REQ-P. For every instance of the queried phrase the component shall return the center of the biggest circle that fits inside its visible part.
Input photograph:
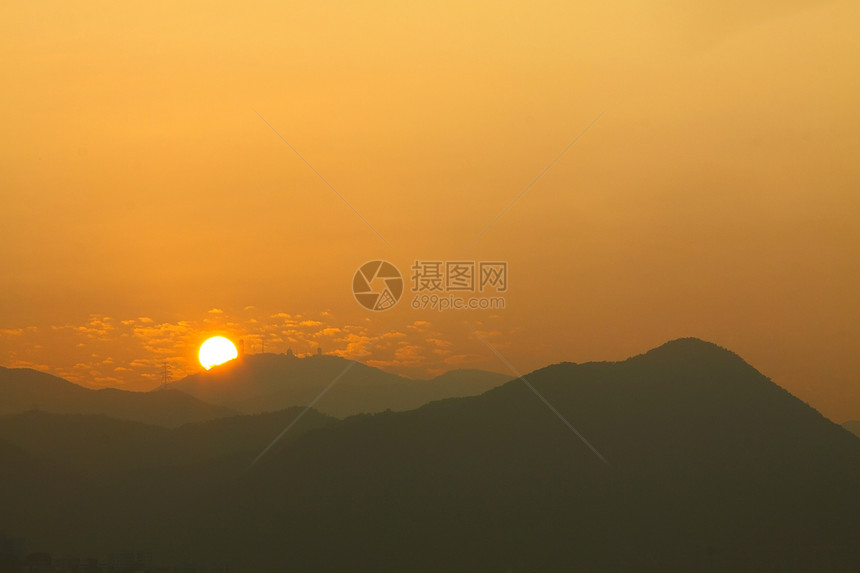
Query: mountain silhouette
(266, 382)
(852, 426)
(23, 390)
(711, 467)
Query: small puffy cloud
(215, 311)
(328, 331)
(409, 354)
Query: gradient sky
(146, 206)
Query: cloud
(409, 355)
(328, 331)
(131, 352)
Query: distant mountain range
(852, 426)
(23, 390)
(252, 384)
(711, 467)
(266, 382)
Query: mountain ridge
(257, 383)
(25, 389)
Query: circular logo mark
(377, 285)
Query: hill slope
(24, 390)
(267, 382)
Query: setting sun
(217, 350)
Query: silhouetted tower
(241, 348)
(319, 350)
(165, 374)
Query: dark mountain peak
(692, 345)
(25, 390)
(693, 355)
(29, 376)
(689, 349)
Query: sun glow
(217, 350)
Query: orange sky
(716, 197)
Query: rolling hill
(24, 390)
(268, 382)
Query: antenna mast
(165, 374)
